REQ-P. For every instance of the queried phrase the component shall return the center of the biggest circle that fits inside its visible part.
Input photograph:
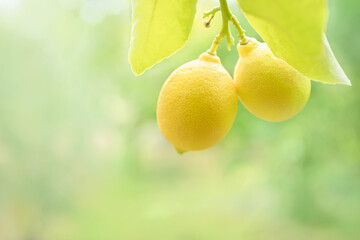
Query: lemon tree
(197, 104)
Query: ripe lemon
(197, 104)
(267, 86)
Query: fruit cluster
(198, 103)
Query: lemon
(267, 86)
(197, 104)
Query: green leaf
(294, 31)
(160, 28)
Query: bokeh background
(82, 158)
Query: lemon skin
(267, 86)
(197, 104)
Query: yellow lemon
(197, 104)
(267, 86)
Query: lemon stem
(227, 17)
(243, 39)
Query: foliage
(294, 31)
(160, 27)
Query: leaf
(294, 31)
(160, 28)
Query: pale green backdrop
(81, 157)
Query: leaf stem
(225, 11)
(211, 12)
(227, 17)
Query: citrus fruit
(197, 104)
(267, 86)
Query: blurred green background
(81, 156)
